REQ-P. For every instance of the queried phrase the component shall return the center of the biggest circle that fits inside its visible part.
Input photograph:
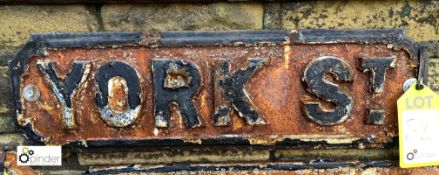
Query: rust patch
(12, 167)
(176, 77)
(118, 94)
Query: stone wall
(18, 22)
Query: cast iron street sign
(257, 87)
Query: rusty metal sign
(257, 87)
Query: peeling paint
(65, 88)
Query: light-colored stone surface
(433, 74)
(12, 140)
(163, 17)
(18, 22)
(420, 18)
(172, 156)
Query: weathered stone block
(18, 22)
(7, 121)
(272, 15)
(335, 154)
(431, 48)
(5, 56)
(167, 156)
(433, 74)
(12, 140)
(7, 124)
(420, 18)
(216, 16)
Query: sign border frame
(38, 44)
